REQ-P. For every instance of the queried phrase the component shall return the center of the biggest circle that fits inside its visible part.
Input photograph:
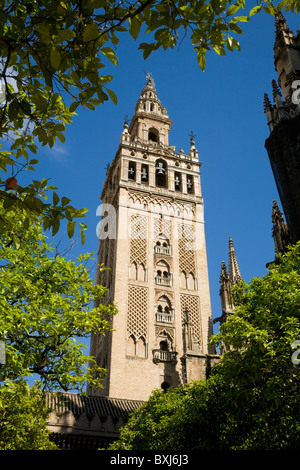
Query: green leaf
(71, 228)
(55, 199)
(235, 28)
(65, 35)
(255, 10)
(90, 32)
(55, 226)
(43, 30)
(55, 58)
(65, 201)
(201, 60)
(112, 96)
(109, 53)
(282, 4)
(82, 234)
(233, 9)
(134, 26)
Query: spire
(227, 281)
(234, 270)
(276, 90)
(280, 230)
(267, 103)
(224, 273)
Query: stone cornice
(155, 191)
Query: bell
(144, 174)
(189, 184)
(177, 181)
(131, 171)
(160, 169)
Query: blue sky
(223, 106)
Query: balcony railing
(163, 281)
(164, 317)
(164, 356)
(162, 250)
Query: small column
(138, 170)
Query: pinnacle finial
(276, 213)
(280, 231)
(275, 88)
(267, 102)
(234, 270)
(223, 274)
(192, 136)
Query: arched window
(191, 281)
(141, 273)
(141, 347)
(133, 271)
(131, 346)
(153, 134)
(165, 386)
(190, 184)
(161, 174)
(131, 171)
(162, 245)
(144, 174)
(183, 280)
(163, 346)
(164, 312)
(163, 275)
(177, 182)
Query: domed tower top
(151, 121)
(148, 101)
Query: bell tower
(152, 241)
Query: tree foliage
(251, 399)
(23, 418)
(46, 311)
(52, 60)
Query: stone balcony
(162, 317)
(164, 356)
(163, 281)
(162, 250)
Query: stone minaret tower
(152, 240)
(283, 144)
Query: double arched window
(163, 275)
(136, 346)
(137, 272)
(162, 245)
(164, 311)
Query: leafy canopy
(251, 398)
(52, 60)
(46, 309)
(23, 418)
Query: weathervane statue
(150, 80)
